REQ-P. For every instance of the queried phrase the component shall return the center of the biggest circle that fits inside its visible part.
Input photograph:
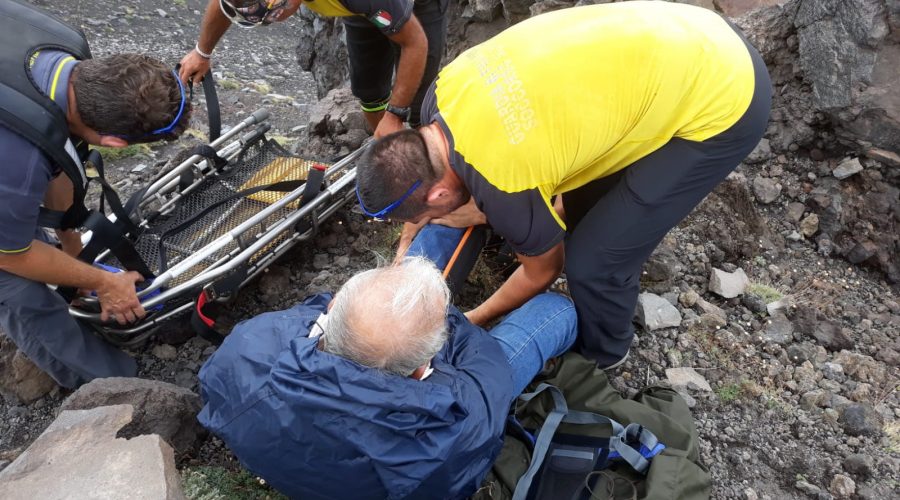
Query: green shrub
(767, 293)
(217, 483)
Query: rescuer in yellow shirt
(624, 116)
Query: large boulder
(732, 8)
(20, 379)
(859, 219)
(834, 64)
(322, 50)
(336, 124)
(80, 457)
(159, 408)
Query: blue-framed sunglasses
(170, 127)
(386, 210)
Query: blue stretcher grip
(154, 293)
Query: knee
(371, 105)
(371, 91)
(562, 321)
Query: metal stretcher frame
(337, 191)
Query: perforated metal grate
(262, 164)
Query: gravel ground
(805, 407)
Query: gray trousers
(37, 320)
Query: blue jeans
(544, 327)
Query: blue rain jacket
(318, 426)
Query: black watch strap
(403, 113)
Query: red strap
(201, 302)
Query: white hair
(392, 318)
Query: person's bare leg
(373, 119)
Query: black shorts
(373, 56)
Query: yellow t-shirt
(328, 8)
(574, 95)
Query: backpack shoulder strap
(544, 436)
(619, 439)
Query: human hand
(118, 298)
(193, 67)
(388, 124)
(464, 216)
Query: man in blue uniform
(112, 102)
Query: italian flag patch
(382, 19)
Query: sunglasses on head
(386, 210)
(168, 128)
(254, 13)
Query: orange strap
(456, 252)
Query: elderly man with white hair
(392, 394)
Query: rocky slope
(802, 400)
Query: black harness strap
(207, 151)
(212, 156)
(314, 181)
(106, 234)
(212, 106)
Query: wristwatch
(403, 113)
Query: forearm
(46, 264)
(410, 67)
(213, 26)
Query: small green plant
(282, 140)
(383, 239)
(892, 431)
(728, 393)
(113, 154)
(197, 134)
(229, 84)
(217, 483)
(262, 88)
(180, 3)
(767, 293)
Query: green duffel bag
(572, 436)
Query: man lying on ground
(393, 394)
